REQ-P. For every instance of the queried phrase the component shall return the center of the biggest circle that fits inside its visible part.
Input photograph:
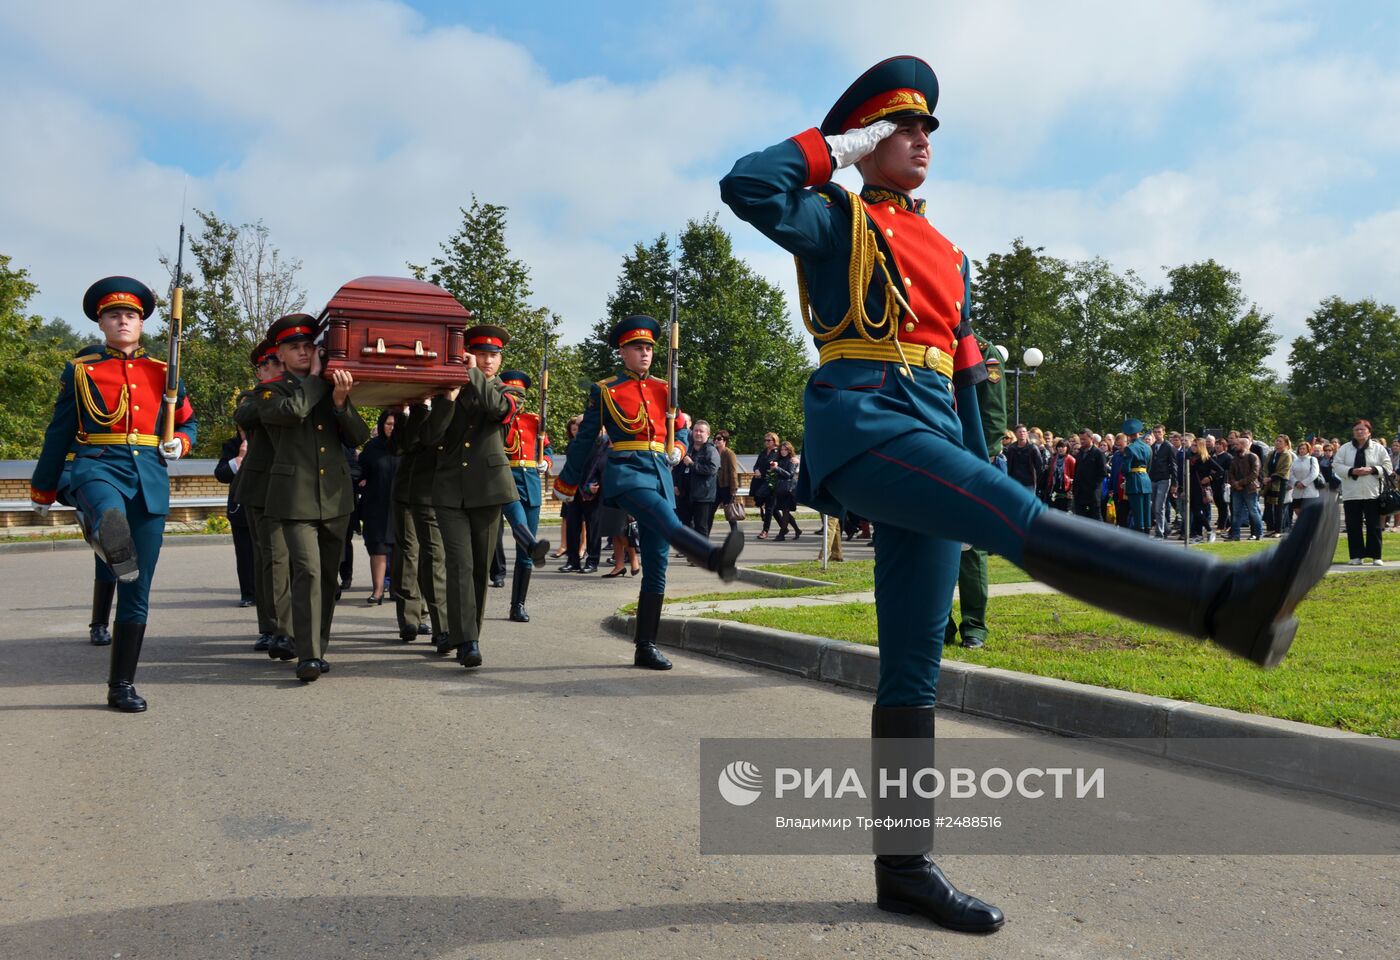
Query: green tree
(1213, 344)
(240, 284)
(476, 266)
(742, 366)
(32, 362)
(1343, 370)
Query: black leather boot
(469, 654)
(519, 589)
(537, 550)
(121, 676)
(1245, 607)
(906, 878)
(114, 545)
(102, 591)
(718, 559)
(648, 621)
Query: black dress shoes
(325, 667)
(498, 581)
(469, 654)
(443, 642)
(281, 648)
(309, 671)
(424, 630)
(589, 567)
(123, 696)
(246, 601)
(264, 642)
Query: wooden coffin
(402, 339)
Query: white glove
(171, 448)
(543, 468)
(675, 457)
(848, 147)
(561, 496)
(42, 509)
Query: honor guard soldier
(1137, 458)
(894, 433)
(271, 574)
(522, 447)
(309, 496)
(471, 485)
(972, 565)
(109, 413)
(631, 407)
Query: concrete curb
(777, 581)
(1353, 767)
(171, 540)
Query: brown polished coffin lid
(402, 339)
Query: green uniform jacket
(414, 484)
(309, 478)
(472, 469)
(251, 479)
(991, 398)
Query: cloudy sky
(1263, 134)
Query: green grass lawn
(1336, 675)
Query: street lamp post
(1030, 360)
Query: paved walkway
(543, 806)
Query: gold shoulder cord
(865, 254)
(630, 424)
(84, 391)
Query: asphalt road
(545, 805)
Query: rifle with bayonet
(544, 402)
(673, 403)
(172, 360)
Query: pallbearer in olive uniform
(471, 484)
(109, 414)
(271, 573)
(309, 496)
(1137, 458)
(894, 433)
(972, 565)
(409, 606)
(422, 459)
(523, 447)
(631, 407)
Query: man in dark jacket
(226, 471)
(1023, 462)
(1090, 467)
(1223, 458)
(578, 557)
(703, 460)
(1162, 472)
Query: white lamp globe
(1032, 358)
(1003, 351)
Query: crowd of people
(1230, 481)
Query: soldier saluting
(309, 496)
(110, 414)
(894, 433)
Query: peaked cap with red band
(292, 328)
(487, 337)
(263, 351)
(516, 378)
(634, 328)
(892, 89)
(118, 292)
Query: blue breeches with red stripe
(926, 495)
(521, 517)
(94, 499)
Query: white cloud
(356, 131)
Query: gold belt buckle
(132, 438)
(931, 358)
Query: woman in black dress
(783, 479)
(377, 467)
